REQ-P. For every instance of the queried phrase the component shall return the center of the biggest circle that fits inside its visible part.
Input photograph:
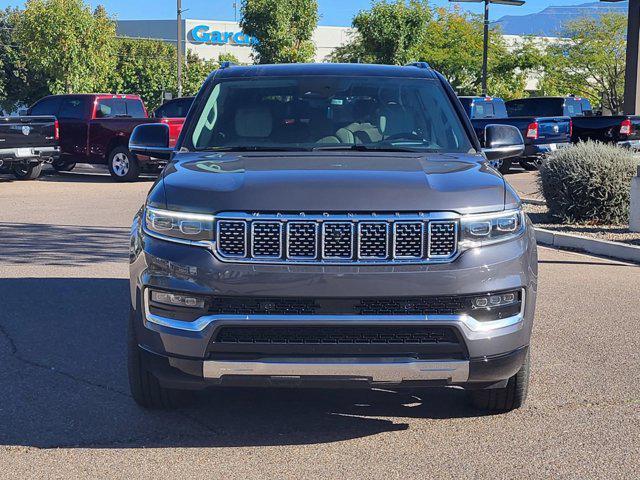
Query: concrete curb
(605, 248)
(533, 201)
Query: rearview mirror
(502, 141)
(151, 139)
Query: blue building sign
(202, 34)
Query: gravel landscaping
(540, 217)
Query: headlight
(479, 230)
(192, 227)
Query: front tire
(529, 166)
(123, 165)
(145, 387)
(27, 172)
(504, 399)
(62, 166)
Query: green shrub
(589, 182)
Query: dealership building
(209, 38)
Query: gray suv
(330, 225)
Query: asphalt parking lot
(65, 410)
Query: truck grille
(446, 305)
(341, 239)
(335, 335)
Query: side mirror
(23, 112)
(152, 140)
(502, 141)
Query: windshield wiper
(365, 148)
(251, 148)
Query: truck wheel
(504, 399)
(62, 166)
(503, 166)
(145, 387)
(529, 166)
(123, 165)
(27, 172)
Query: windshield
(535, 107)
(329, 112)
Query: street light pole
(485, 44)
(485, 49)
(179, 46)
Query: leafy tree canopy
(283, 29)
(590, 61)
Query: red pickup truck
(173, 113)
(95, 128)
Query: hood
(331, 182)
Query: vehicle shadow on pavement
(64, 384)
(67, 245)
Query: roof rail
(418, 64)
(227, 64)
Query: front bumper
(630, 144)
(541, 150)
(180, 355)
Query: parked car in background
(542, 134)
(173, 114)
(26, 143)
(623, 130)
(330, 225)
(95, 128)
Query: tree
(145, 67)
(390, 32)
(20, 85)
(590, 61)
(450, 40)
(283, 29)
(70, 46)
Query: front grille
(340, 238)
(323, 335)
(449, 305)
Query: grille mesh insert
(335, 335)
(374, 241)
(442, 239)
(232, 238)
(337, 240)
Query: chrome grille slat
(337, 239)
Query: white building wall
(211, 38)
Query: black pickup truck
(26, 143)
(623, 130)
(542, 133)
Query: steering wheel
(404, 136)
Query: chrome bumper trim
(386, 370)
(201, 323)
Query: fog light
(176, 299)
(498, 300)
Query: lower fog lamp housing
(496, 306)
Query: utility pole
(631, 85)
(485, 49)
(179, 36)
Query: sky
(333, 12)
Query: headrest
(253, 122)
(394, 119)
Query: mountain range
(550, 21)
